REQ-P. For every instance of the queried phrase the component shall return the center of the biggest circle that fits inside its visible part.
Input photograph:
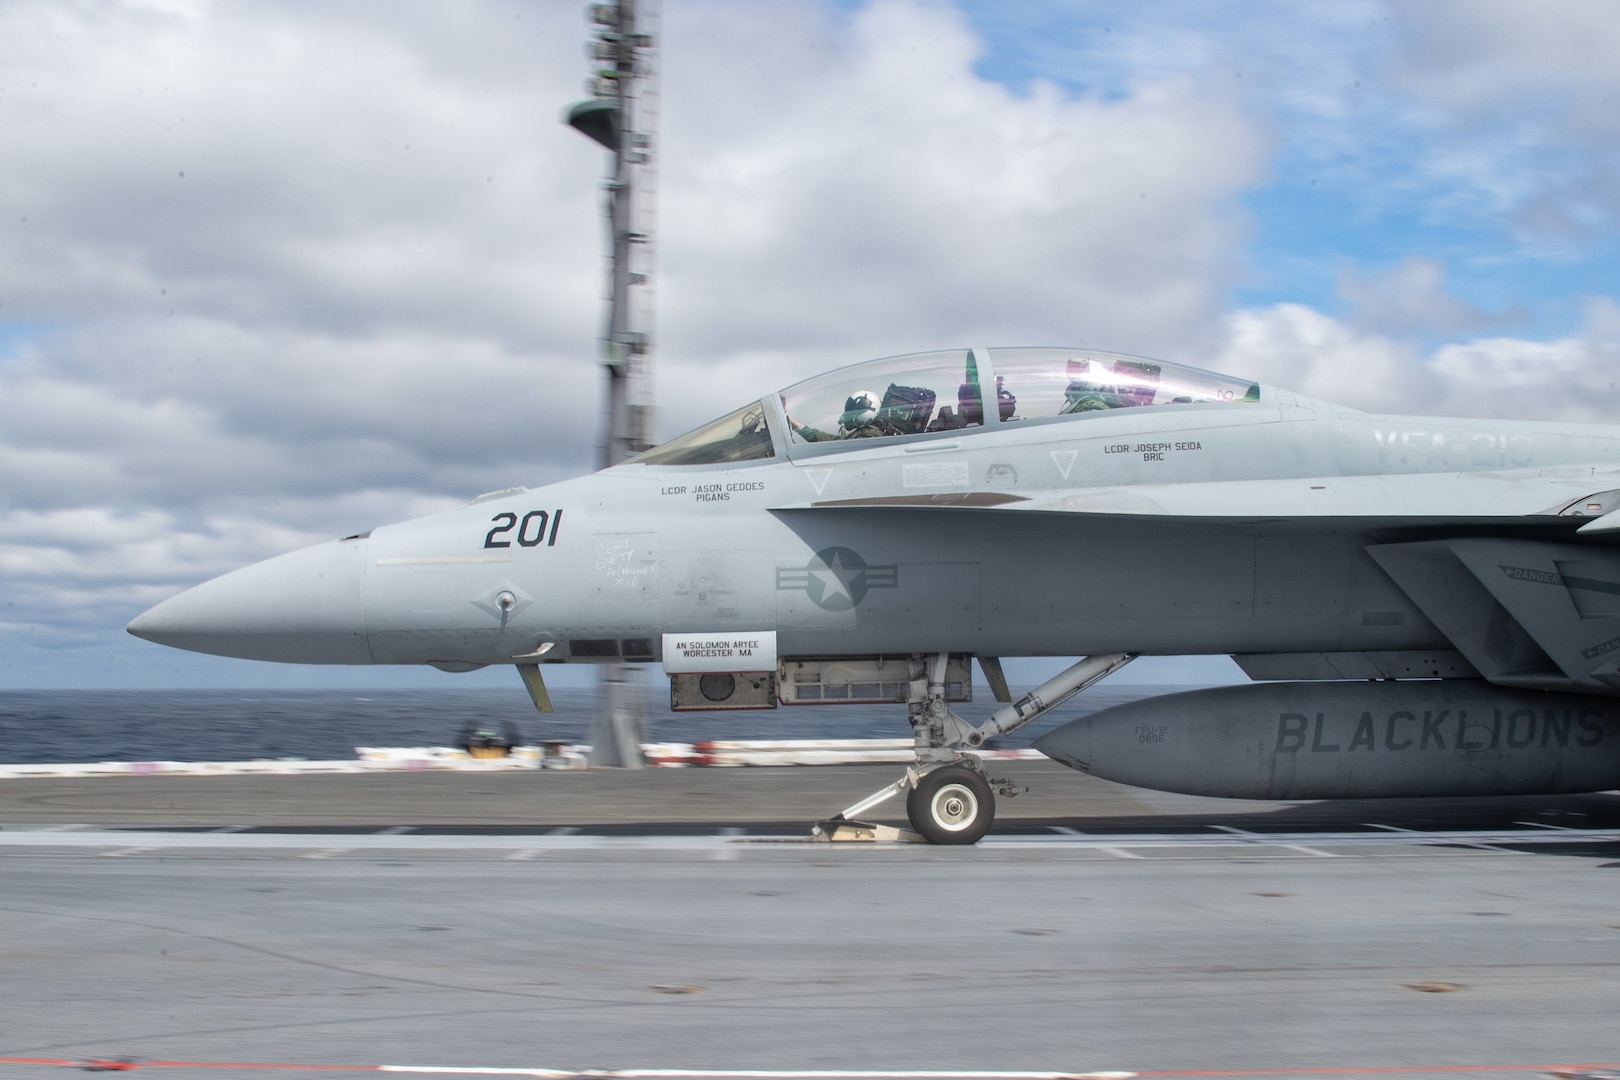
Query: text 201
(531, 530)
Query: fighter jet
(1429, 606)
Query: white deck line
(1271, 841)
(764, 752)
(1120, 845)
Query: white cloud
(1574, 379)
(1409, 298)
(1529, 94)
(274, 166)
(187, 412)
(1301, 349)
(1483, 56)
(868, 193)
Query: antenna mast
(622, 115)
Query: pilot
(1141, 383)
(859, 420)
(860, 417)
(1083, 395)
(1089, 399)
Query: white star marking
(835, 579)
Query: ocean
(49, 726)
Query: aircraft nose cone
(1069, 744)
(304, 607)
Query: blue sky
(1365, 168)
(275, 273)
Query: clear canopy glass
(737, 436)
(1078, 382)
(902, 395)
(946, 391)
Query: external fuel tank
(1312, 740)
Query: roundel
(837, 578)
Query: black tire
(952, 805)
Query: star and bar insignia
(837, 578)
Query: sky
(276, 273)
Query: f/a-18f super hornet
(1430, 606)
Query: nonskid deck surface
(1371, 841)
(674, 925)
(1553, 1071)
(675, 957)
(781, 802)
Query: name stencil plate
(686, 654)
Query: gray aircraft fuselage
(1234, 528)
(1088, 504)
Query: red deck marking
(113, 1064)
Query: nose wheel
(947, 803)
(951, 805)
(949, 799)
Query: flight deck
(779, 802)
(679, 923)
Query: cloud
(1533, 91)
(869, 193)
(1409, 299)
(1481, 57)
(276, 166)
(191, 412)
(1573, 379)
(260, 254)
(1301, 349)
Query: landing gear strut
(949, 797)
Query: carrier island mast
(622, 116)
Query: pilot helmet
(1085, 377)
(861, 408)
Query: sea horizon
(234, 724)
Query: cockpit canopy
(961, 390)
(736, 436)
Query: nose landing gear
(949, 798)
(948, 802)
